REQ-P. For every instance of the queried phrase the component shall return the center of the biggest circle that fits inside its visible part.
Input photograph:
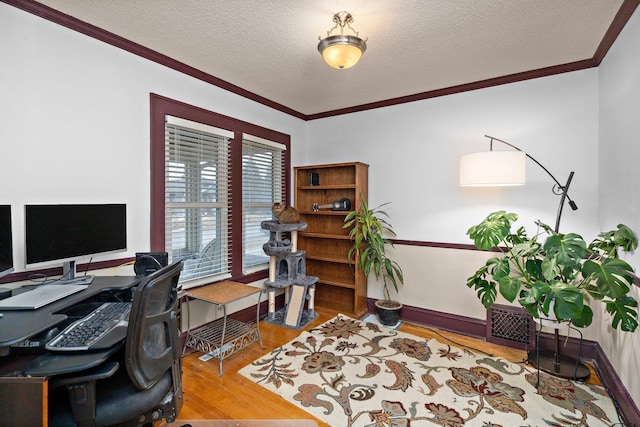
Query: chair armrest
(98, 373)
(82, 391)
(61, 363)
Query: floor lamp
(508, 168)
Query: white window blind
(197, 176)
(263, 180)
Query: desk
(224, 336)
(23, 399)
(19, 325)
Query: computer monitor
(6, 241)
(66, 233)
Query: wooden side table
(225, 336)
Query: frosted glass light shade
(493, 169)
(342, 51)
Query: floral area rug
(350, 373)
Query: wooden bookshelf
(342, 285)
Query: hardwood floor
(208, 396)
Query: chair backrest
(153, 343)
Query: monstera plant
(555, 275)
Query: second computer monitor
(65, 233)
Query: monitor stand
(69, 276)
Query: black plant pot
(388, 312)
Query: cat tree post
(272, 303)
(312, 293)
(294, 240)
(272, 268)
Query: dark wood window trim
(162, 107)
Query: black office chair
(149, 387)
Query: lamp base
(567, 367)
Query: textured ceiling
(414, 46)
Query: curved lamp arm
(558, 189)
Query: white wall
(413, 152)
(620, 176)
(75, 121)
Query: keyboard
(103, 328)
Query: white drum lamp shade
(493, 169)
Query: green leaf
(485, 290)
(478, 275)
(509, 287)
(390, 271)
(608, 242)
(529, 302)
(549, 268)
(533, 267)
(625, 238)
(519, 237)
(525, 249)
(567, 249)
(539, 290)
(493, 230)
(612, 276)
(501, 268)
(623, 313)
(537, 295)
(585, 319)
(568, 301)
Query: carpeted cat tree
(287, 270)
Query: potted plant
(558, 277)
(368, 230)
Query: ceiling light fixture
(504, 168)
(342, 50)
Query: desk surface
(223, 292)
(18, 325)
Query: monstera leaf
(568, 301)
(623, 313)
(609, 242)
(493, 230)
(485, 290)
(612, 276)
(566, 249)
(509, 287)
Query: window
(262, 185)
(213, 181)
(197, 197)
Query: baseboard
(449, 322)
(609, 377)
(591, 351)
